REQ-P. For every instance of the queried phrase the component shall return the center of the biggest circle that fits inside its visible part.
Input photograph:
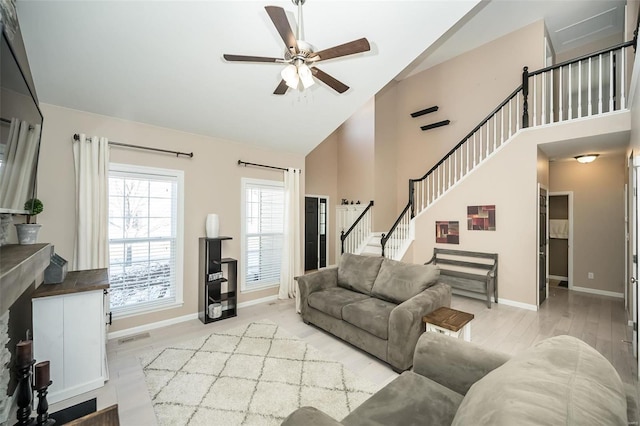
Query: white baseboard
(177, 320)
(500, 301)
(515, 304)
(599, 292)
(258, 301)
(558, 277)
(151, 326)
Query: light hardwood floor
(598, 320)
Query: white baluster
(480, 147)
(455, 166)
(600, 83)
(611, 104)
(623, 86)
(510, 125)
(487, 126)
(589, 108)
(569, 108)
(495, 131)
(551, 97)
(543, 80)
(517, 111)
(467, 145)
(502, 125)
(561, 94)
(474, 150)
(535, 101)
(579, 89)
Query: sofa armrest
(454, 363)
(316, 281)
(405, 323)
(309, 416)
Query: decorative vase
(27, 232)
(213, 226)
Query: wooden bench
(462, 271)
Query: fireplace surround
(21, 272)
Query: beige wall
(598, 219)
(465, 88)
(321, 178)
(543, 169)
(356, 155)
(211, 179)
(386, 142)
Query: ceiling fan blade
(356, 46)
(336, 85)
(279, 19)
(281, 89)
(243, 58)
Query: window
(145, 238)
(262, 233)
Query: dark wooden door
(310, 233)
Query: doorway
(560, 238)
(315, 232)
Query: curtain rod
(244, 163)
(76, 137)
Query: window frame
(243, 231)
(178, 175)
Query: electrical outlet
(590, 275)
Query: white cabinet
(69, 330)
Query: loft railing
(589, 85)
(359, 232)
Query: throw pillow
(399, 281)
(357, 272)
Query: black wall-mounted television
(20, 131)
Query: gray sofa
(374, 303)
(558, 381)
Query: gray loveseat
(374, 303)
(558, 381)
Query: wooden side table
(450, 322)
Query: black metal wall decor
(424, 111)
(434, 125)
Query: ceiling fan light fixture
(290, 76)
(306, 77)
(587, 158)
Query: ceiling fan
(301, 56)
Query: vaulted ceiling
(160, 62)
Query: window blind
(263, 233)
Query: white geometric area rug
(255, 374)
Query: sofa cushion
(410, 399)
(399, 281)
(370, 315)
(331, 300)
(357, 272)
(559, 381)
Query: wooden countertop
(76, 282)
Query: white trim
(151, 326)
(67, 393)
(520, 305)
(178, 176)
(257, 301)
(177, 320)
(599, 292)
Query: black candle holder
(25, 394)
(43, 407)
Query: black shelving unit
(218, 280)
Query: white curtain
(91, 159)
(291, 263)
(19, 160)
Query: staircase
(588, 86)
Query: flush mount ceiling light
(587, 158)
(301, 57)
